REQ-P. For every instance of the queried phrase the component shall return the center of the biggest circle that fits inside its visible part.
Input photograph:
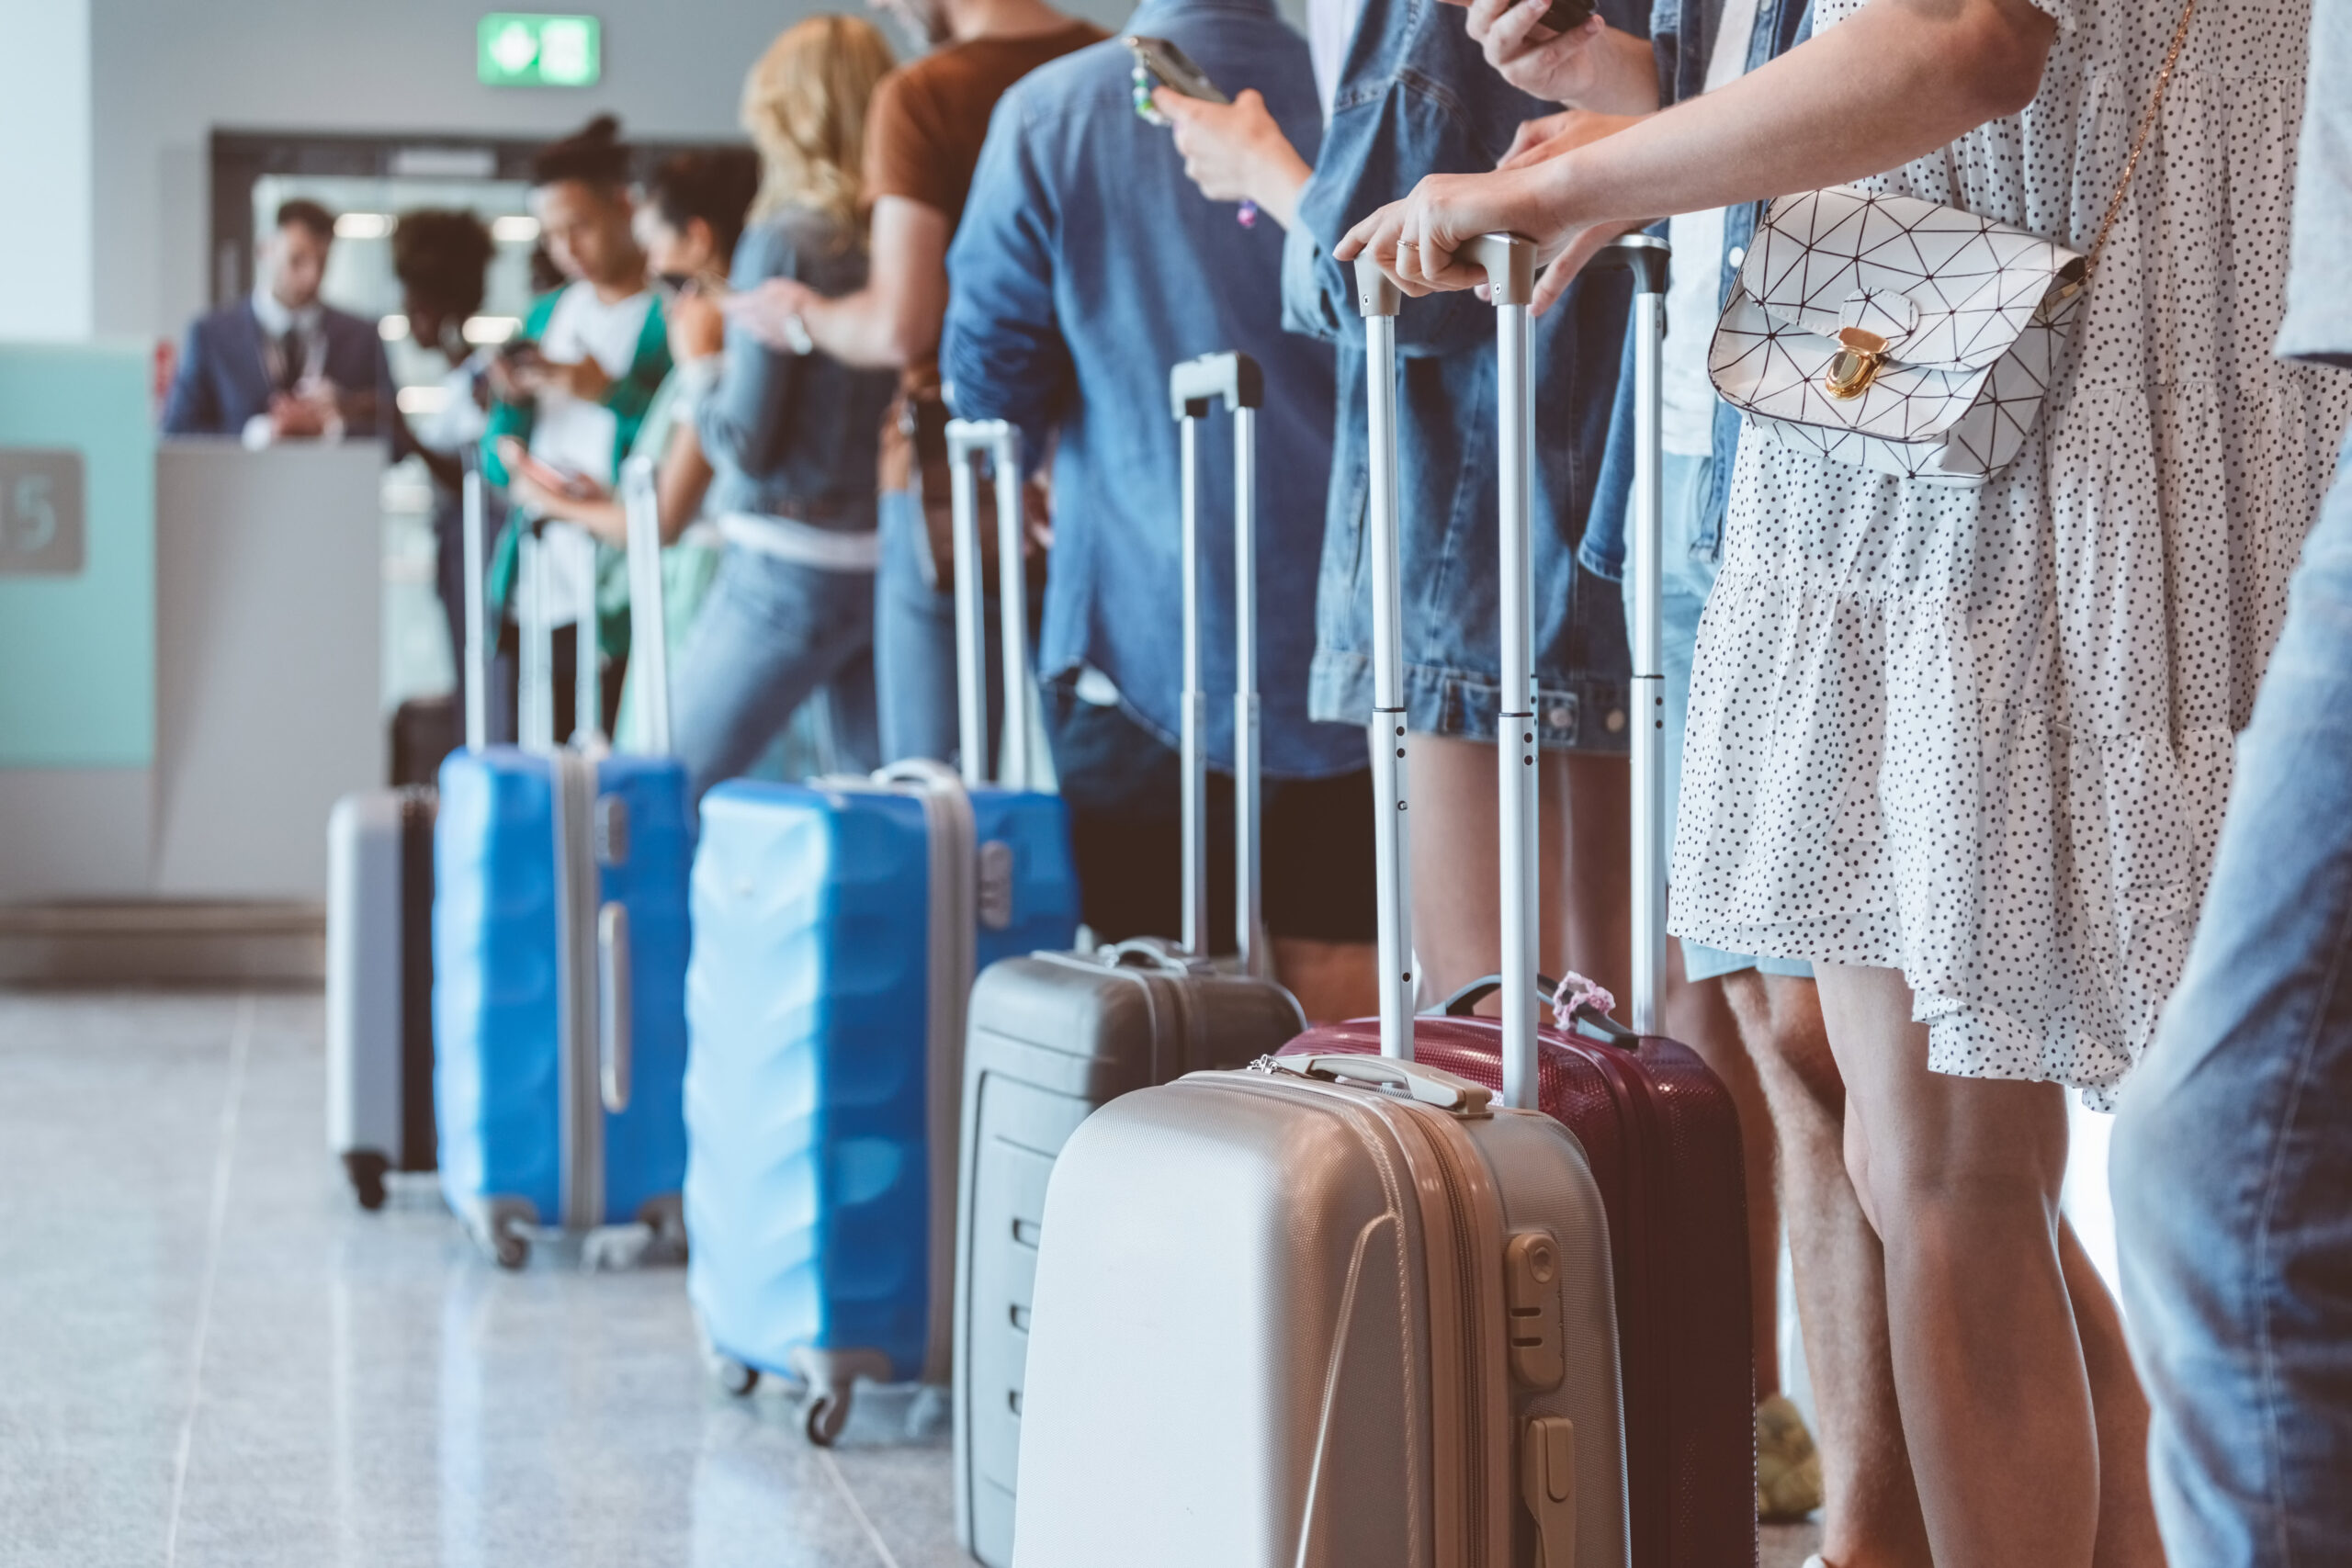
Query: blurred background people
(441, 257)
(1087, 264)
(280, 364)
(688, 219)
(922, 138)
(792, 436)
(569, 393)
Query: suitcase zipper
(1441, 1130)
(1467, 1268)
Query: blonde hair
(803, 104)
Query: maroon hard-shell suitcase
(1657, 1127)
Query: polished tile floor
(210, 1356)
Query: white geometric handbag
(1903, 336)
(1891, 332)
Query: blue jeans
(2232, 1156)
(772, 635)
(1694, 556)
(914, 644)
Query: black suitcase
(1054, 1036)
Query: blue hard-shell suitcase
(838, 927)
(560, 941)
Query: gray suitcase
(1338, 1311)
(380, 944)
(1054, 1036)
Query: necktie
(291, 356)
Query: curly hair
(594, 155)
(803, 104)
(441, 255)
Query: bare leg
(2127, 1513)
(1871, 1515)
(1701, 1017)
(1331, 979)
(1582, 833)
(1961, 1178)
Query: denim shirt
(1416, 96)
(1682, 33)
(795, 435)
(1087, 264)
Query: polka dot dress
(1984, 735)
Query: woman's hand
(1236, 152)
(1591, 66)
(774, 313)
(1415, 240)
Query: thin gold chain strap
(2140, 140)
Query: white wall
(164, 73)
(45, 285)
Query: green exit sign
(516, 49)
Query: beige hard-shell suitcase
(1329, 1311)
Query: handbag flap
(1945, 289)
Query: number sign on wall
(40, 511)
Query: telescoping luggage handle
(1508, 262)
(1236, 381)
(536, 621)
(474, 672)
(1001, 440)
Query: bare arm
(1898, 79)
(683, 482)
(889, 323)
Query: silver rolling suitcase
(1057, 1034)
(1334, 1311)
(380, 944)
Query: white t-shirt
(578, 436)
(1694, 287)
(1330, 27)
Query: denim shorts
(1453, 616)
(1689, 575)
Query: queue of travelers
(1955, 767)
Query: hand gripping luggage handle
(1194, 386)
(613, 1021)
(474, 672)
(1002, 439)
(1378, 300)
(649, 621)
(1645, 256)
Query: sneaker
(1788, 1467)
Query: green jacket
(629, 398)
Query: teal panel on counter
(77, 626)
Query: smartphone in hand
(1160, 63)
(1566, 15)
(546, 476)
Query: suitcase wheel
(734, 1377)
(824, 1415)
(367, 1168)
(509, 1245)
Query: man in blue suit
(279, 365)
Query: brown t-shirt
(924, 128)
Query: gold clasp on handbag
(1855, 365)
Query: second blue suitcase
(837, 930)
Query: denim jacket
(1086, 266)
(794, 435)
(1416, 97)
(1682, 32)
